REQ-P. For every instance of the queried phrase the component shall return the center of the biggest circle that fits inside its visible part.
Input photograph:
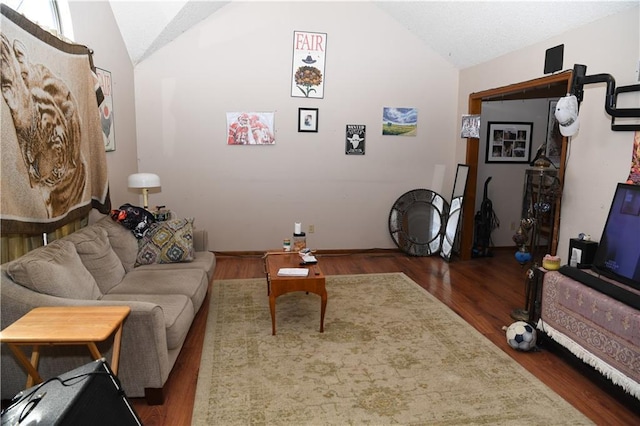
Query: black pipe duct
(577, 88)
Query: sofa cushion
(57, 270)
(167, 242)
(177, 309)
(123, 243)
(192, 283)
(202, 260)
(92, 244)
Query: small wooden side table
(64, 325)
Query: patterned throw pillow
(170, 241)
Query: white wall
(240, 59)
(94, 26)
(599, 158)
(248, 197)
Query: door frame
(556, 85)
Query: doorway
(556, 85)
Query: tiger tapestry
(54, 167)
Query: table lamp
(144, 181)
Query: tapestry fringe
(15, 245)
(616, 376)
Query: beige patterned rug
(391, 353)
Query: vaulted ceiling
(466, 33)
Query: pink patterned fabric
(606, 328)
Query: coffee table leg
(322, 310)
(272, 307)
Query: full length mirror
(450, 237)
(460, 183)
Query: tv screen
(618, 255)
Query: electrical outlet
(513, 226)
(312, 229)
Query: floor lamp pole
(145, 198)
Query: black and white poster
(355, 135)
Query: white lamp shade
(143, 180)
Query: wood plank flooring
(483, 291)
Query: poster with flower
(309, 50)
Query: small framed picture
(470, 126)
(509, 142)
(308, 120)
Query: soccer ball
(521, 336)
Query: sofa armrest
(200, 240)
(144, 358)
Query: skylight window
(50, 14)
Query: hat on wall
(567, 115)
(309, 60)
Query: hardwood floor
(483, 291)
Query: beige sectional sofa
(97, 266)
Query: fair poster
(307, 75)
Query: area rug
(391, 353)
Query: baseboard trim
(335, 252)
(326, 252)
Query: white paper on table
(293, 272)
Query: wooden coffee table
(64, 325)
(314, 282)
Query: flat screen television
(618, 255)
